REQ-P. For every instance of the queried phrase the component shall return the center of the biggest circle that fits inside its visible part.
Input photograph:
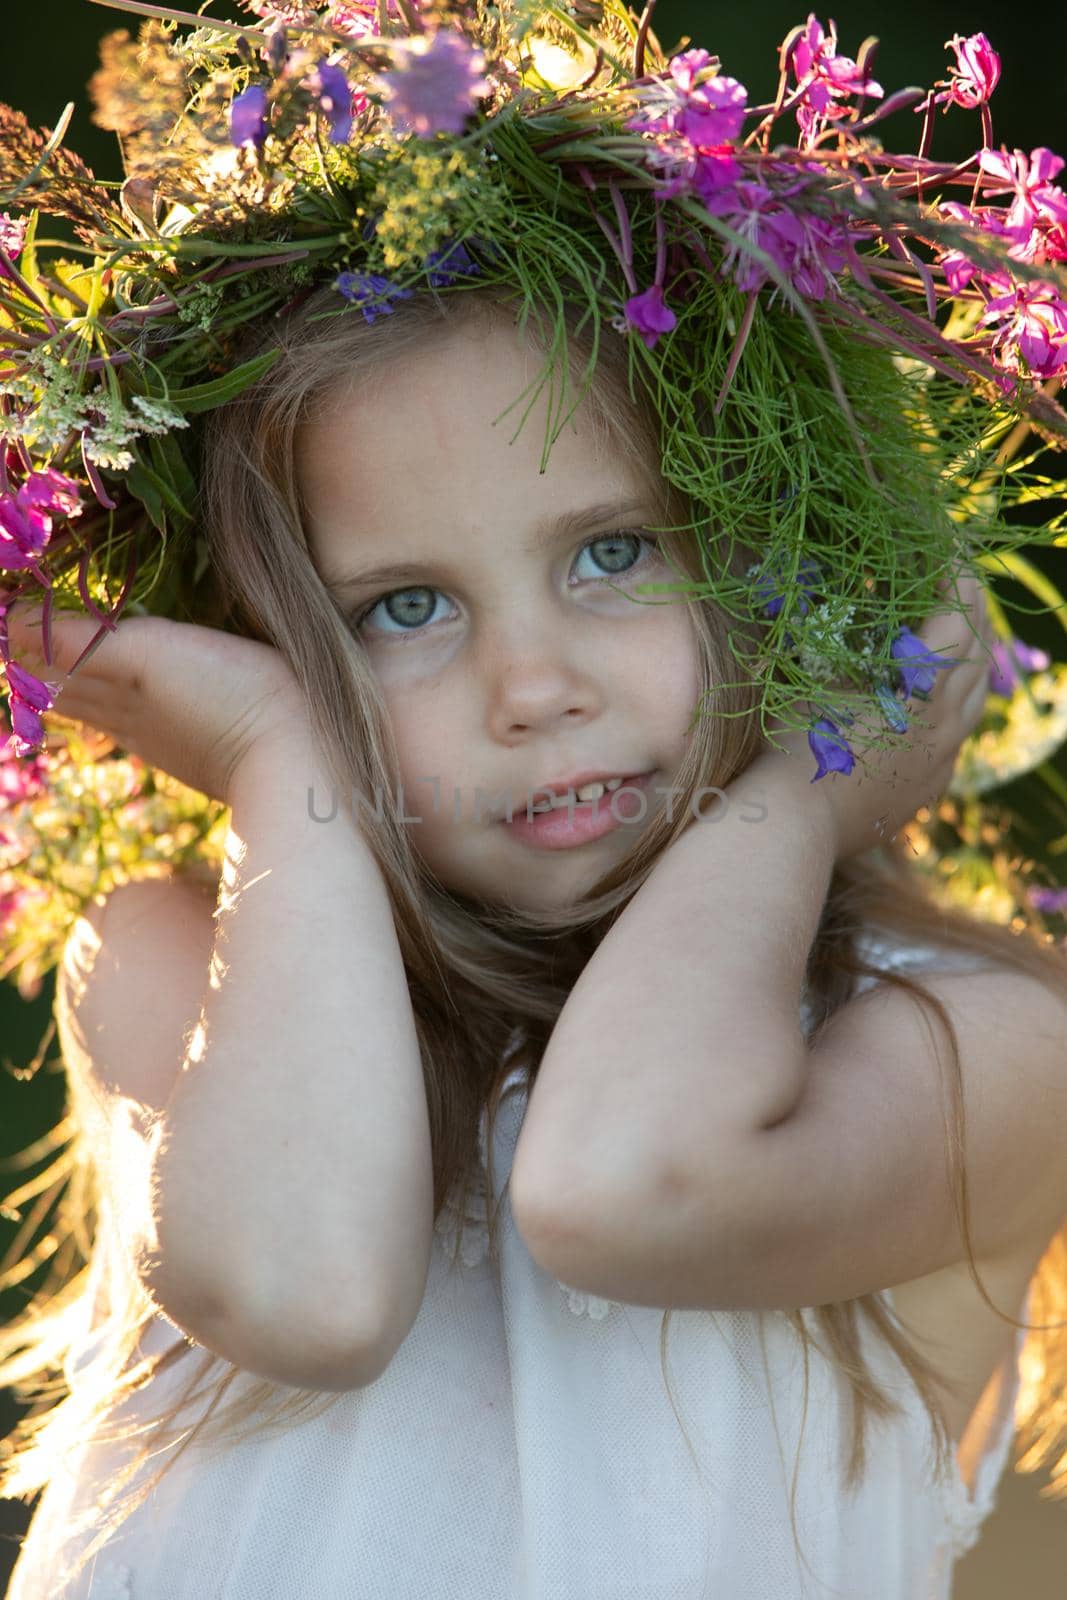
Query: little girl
(542, 999)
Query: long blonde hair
(480, 978)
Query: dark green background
(47, 52)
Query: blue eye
(417, 606)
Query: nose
(538, 683)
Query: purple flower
(830, 748)
(690, 126)
(808, 250)
(1043, 899)
(352, 17)
(1037, 199)
(808, 579)
(1004, 674)
(451, 264)
(975, 75)
(1032, 328)
(435, 83)
(371, 292)
(29, 697)
(917, 665)
(335, 98)
(12, 239)
(51, 491)
(891, 708)
(713, 114)
(958, 268)
(24, 532)
(824, 77)
(647, 315)
(248, 117)
(26, 517)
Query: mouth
(570, 822)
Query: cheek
(425, 744)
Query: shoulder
(130, 983)
(1010, 1034)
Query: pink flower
(51, 491)
(26, 517)
(976, 73)
(958, 268)
(29, 696)
(706, 115)
(647, 315)
(12, 239)
(353, 18)
(1032, 326)
(807, 250)
(1037, 199)
(824, 77)
(435, 84)
(713, 114)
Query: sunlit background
(47, 55)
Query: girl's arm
(682, 1033)
(293, 1185)
(683, 1147)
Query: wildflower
(647, 315)
(917, 664)
(371, 292)
(1037, 199)
(29, 696)
(1043, 899)
(896, 718)
(976, 73)
(1032, 328)
(335, 98)
(691, 126)
(958, 268)
(23, 535)
(808, 579)
(248, 117)
(12, 239)
(712, 115)
(823, 77)
(434, 85)
(830, 748)
(353, 18)
(450, 264)
(1004, 673)
(807, 250)
(51, 491)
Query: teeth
(589, 791)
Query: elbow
(277, 1337)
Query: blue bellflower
(917, 665)
(248, 117)
(830, 748)
(371, 292)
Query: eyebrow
(547, 532)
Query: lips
(564, 786)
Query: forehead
(427, 438)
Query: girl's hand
(886, 788)
(190, 700)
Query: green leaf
(155, 492)
(141, 483)
(170, 464)
(205, 396)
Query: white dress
(522, 1446)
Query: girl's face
(505, 660)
